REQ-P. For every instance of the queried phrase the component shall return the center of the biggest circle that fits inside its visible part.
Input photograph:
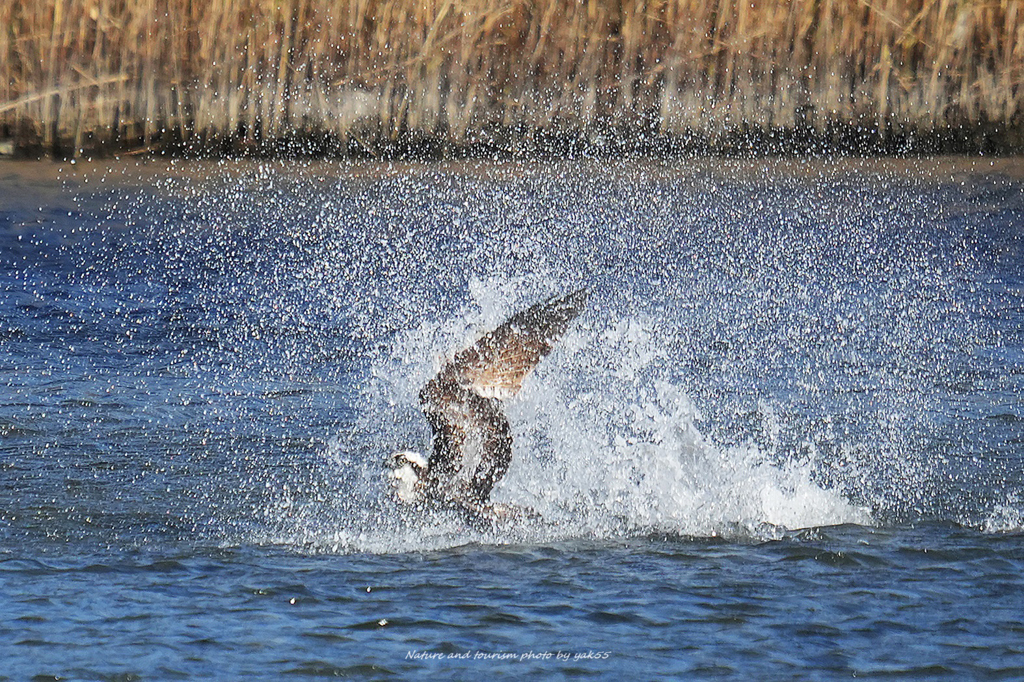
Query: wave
(1005, 518)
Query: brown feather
(496, 365)
(462, 399)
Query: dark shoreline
(35, 179)
(842, 141)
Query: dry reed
(375, 75)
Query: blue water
(786, 439)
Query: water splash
(763, 350)
(606, 444)
(1005, 517)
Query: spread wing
(460, 401)
(496, 365)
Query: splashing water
(762, 351)
(603, 447)
(816, 326)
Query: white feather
(406, 476)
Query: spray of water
(761, 352)
(607, 443)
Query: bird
(472, 437)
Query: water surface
(784, 440)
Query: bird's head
(407, 471)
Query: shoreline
(48, 175)
(539, 145)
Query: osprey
(472, 438)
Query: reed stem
(507, 75)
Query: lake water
(785, 439)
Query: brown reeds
(372, 75)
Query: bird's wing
(457, 401)
(496, 365)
